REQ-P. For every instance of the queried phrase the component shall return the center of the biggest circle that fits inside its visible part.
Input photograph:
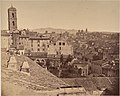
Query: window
(43, 45)
(60, 48)
(43, 49)
(59, 43)
(54, 43)
(13, 15)
(63, 43)
(31, 45)
(48, 46)
(38, 49)
(38, 45)
(13, 23)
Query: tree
(113, 90)
(69, 58)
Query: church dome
(12, 8)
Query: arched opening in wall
(22, 53)
(43, 49)
(13, 15)
(60, 48)
(38, 49)
(63, 43)
(13, 23)
(59, 43)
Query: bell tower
(12, 19)
(12, 27)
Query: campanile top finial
(11, 6)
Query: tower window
(13, 15)
(43, 49)
(38, 49)
(59, 43)
(22, 53)
(38, 45)
(13, 23)
(60, 48)
(63, 43)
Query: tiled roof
(21, 47)
(90, 84)
(38, 75)
(56, 56)
(98, 62)
(24, 36)
(39, 38)
(79, 63)
(112, 67)
(38, 54)
(12, 46)
(41, 75)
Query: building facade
(60, 47)
(5, 40)
(33, 41)
(39, 44)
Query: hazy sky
(96, 15)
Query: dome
(12, 8)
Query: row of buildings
(25, 41)
(40, 47)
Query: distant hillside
(57, 30)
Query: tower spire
(11, 5)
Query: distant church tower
(12, 26)
(12, 19)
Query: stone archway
(41, 61)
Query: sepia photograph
(60, 47)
